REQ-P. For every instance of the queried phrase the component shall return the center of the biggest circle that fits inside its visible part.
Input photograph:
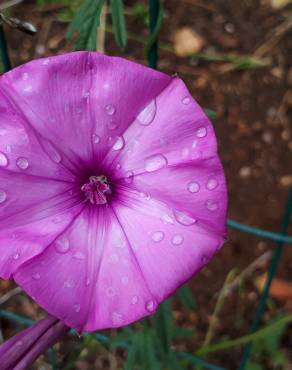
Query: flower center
(97, 190)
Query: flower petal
(86, 98)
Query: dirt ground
(253, 131)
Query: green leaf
(133, 351)
(86, 22)
(186, 297)
(151, 361)
(119, 24)
(163, 324)
(154, 35)
(238, 342)
(210, 113)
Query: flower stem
(24, 348)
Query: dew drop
(150, 306)
(22, 163)
(125, 280)
(36, 276)
(95, 139)
(184, 219)
(112, 125)
(186, 100)
(134, 300)
(204, 259)
(201, 132)
(87, 283)
(16, 256)
(118, 166)
(129, 177)
(119, 144)
(77, 307)
(157, 236)
(117, 318)
(147, 115)
(166, 219)
(68, 284)
(110, 292)
(25, 76)
(62, 245)
(193, 187)
(79, 256)
(110, 109)
(8, 148)
(155, 162)
(3, 160)
(212, 205)
(212, 184)
(177, 239)
(3, 196)
(51, 151)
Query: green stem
(154, 6)
(272, 271)
(250, 338)
(3, 49)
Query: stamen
(97, 190)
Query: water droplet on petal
(117, 318)
(119, 144)
(150, 306)
(36, 276)
(155, 162)
(125, 280)
(212, 184)
(129, 177)
(166, 219)
(77, 307)
(62, 245)
(79, 255)
(51, 151)
(177, 239)
(110, 109)
(19, 343)
(16, 256)
(3, 160)
(204, 259)
(201, 132)
(193, 187)
(95, 139)
(186, 100)
(3, 196)
(112, 125)
(147, 115)
(22, 163)
(8, 148)
(68, 284)
(184, 219)
(134, 300)
(157, 236)
(118, 167)
(87, 283)
(110, 292)
(212, 205)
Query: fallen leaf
(280, 289)
(187, 42)
(278, 4)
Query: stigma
(97, 190)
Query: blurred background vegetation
(235, 57)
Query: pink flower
(111, 191)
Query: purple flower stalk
(19, 352)
(112, 194)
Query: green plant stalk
(238, 342)
(218, 307)
(272, 271)
(3, 49)
(152, 54)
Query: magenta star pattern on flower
(112, 194)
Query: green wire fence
(281, 238)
